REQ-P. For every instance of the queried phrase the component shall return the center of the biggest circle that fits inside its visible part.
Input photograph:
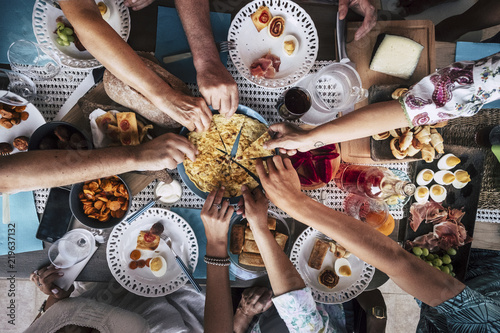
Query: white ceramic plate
(251, 44)
(347, 288)
(141, 281)
(44, 25)
(25, 128)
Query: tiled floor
(402, 310)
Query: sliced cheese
(397, 56)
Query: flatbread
(143, 245)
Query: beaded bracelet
(217, 261)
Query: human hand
(138, 4)
(289, 138)
(215, 215)
(165, 151)
(218, 88)
(254, 207)
(364, 8)
(255, 300)
(44, 279)
(281, 181)
(191, 112)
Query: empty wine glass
(74, 247)
(16, 88)
(33, 60)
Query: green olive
(453, 274)
(446, 259)
(445, 269)
(451, 251)
(437, 262)
(430, 257)
(450, 267)
(417, 251)
(425, 252)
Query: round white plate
(25, 128)
(347, 288)
(44, 24)
(141, 281)
(251, 44)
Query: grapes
(68, 31)
(65, 35)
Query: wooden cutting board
(360, 52)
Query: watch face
(378, 312)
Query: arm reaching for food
(118, 57)
(216, 84)
(362, 7)
(282, 187)
(49, 168)
(215, 215)
(458, 90)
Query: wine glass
(16, 88)
(74, 247)
(34, 60)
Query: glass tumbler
(372, 212)
(34, 60)
(74, 247)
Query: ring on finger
(219, 206)
(36, 272)
(39, 284)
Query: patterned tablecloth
(260, 99)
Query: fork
(179, 261)
(5, 203)
(224, 46)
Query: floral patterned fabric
(302, 314)
(459, 90)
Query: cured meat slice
(431, 212)
(266, 66)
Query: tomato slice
(124, 125)
(149, 238)
(264, 17)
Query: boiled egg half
(343, 267)
(462, 177)
(158, 266)
(444, 177)
(104, 10)
(425, 176)
(448, 162)
(290, 45)
(438, 193)
(421, 194)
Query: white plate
(141, 281)
(347, 288)
(25, 128)
(251, 44)
(44, 24)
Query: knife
(248, 172)
(92, 78)
(234, 150)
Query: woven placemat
(462, 131)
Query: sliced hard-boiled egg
(425, 176)
(444, 177)
(290, 45)
(448, 162)
(104, 9)
(158, 266)
(438, 193)
(462, 177)
(421, 194)
(343, 267)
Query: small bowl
(250, 272)
(76, 207)
(47, 130)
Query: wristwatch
(379, 312)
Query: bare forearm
(281, 272)
(376, 249)
(372, 119)
(111, 50)
(195, 17)
(49, 168)
(218, 303)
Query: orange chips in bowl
(104, 198)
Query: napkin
(15, 24)
(192, 216)
(24, 218)
(475, 51)
(171, 40)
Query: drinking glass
(370, 211)
(16, 88)
(74, 247)
(33, 60)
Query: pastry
(428, 153)
(276, 26)
(437, 141)
(147, 241)
(5, 148)
(318, 254)
(127, 123)
(261, 17)
(21, 143)
(328, 278)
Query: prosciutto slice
(430, 212)
(266, 66)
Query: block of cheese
(397, 56)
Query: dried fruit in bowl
(105, 198)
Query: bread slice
(237, 238)
(281, 239)
(251, 259)
(318, 253)
(250, 246)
